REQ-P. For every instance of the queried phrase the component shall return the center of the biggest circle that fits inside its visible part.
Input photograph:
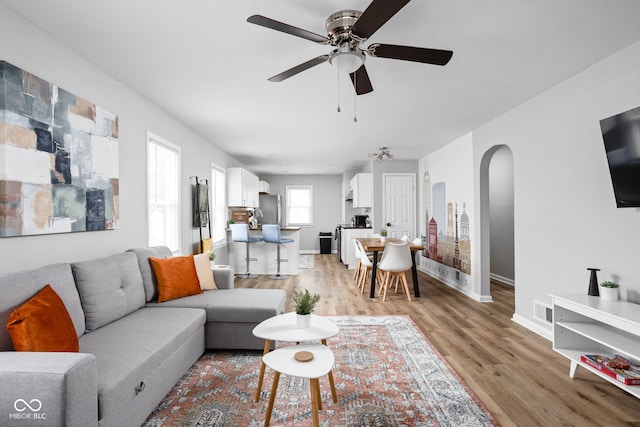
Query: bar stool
(271, 234)
(240, 233)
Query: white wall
(24, 46)
(565, 215)
(327, 204)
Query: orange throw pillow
(176, 277)
(43, 324)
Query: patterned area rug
(386, 374)
(305, 261)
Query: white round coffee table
(283, 361)
(284, 328)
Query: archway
(497, 209)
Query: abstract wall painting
(58, 159)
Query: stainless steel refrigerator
(271, 209)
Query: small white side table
(223, 275)
(282, 361)
(284, 328)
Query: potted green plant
(212, 256)
(305, 303)
(609, 291)
(383, 234)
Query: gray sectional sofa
(132, 349)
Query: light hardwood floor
(513, 371)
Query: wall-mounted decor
(448, 240)
(447, 212)
(58, 159)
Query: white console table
(584, 324)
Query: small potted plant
(383, 235)
(212, 256)
(609, 291)
(305, 303)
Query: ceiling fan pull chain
(338, 91)
(355, 97)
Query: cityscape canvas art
(447, 227)
(58, 159)
(447, 216)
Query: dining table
(375, 245)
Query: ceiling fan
(383, 154)
(347, 30)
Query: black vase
(593, 283)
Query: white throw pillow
(203, 269)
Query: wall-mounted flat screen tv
(621, 134)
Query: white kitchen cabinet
(242, 188)
(362, 186)
(264, 187)
(347, 247)
(584, 324)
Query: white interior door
(399, 206)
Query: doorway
(497, 217)
(399, 204)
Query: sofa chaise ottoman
(132, 349)
(231, 314)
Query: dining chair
(366, 267)
(358, 269)
(396, 260)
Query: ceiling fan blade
(361, 82)
(299, 68)
(286, 28)
(408, 53)
(374, 17)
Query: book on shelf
(617, 367)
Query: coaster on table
(303, 356)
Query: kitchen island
(265, 253)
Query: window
(218, 208)
(299, 205)
(163, 195)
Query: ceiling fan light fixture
(346, 59)
(382, 155)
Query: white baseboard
(502, 279)
(457, 287)
(534, 327)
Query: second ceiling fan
(347, 30)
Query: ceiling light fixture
(383, 154)
(346, 59)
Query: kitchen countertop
(259, 228)
(281, 228)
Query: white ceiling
(204, 64)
